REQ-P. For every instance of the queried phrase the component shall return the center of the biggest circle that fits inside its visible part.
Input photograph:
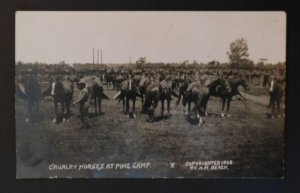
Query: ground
(247, 144)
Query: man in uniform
(83, 101)
(225, 83)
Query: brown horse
(218, 89)
(197, 93)
(155, 92)
(110, 78)
(128, 91)
(144, 82)
(62, 92)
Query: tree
(238, 53)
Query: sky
(70, 36)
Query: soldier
(225, 83)
(83, 101)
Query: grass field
(251, 142)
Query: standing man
(83, 100)
(271, 93)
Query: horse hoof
(134, 115)
(64, 120)
(228, 115)
(200, 122)
(186, 113)
(222, 115)
(127, 115)
(198, 116)
(205, 114)
(27, 120)
(54, 121)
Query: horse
(136, 79)
(155, 92)
(29, 89)
(276, 98)
(118, 80)
(144, 82)
(62, 92)
(197, 93)
(110, 78)
(128, 91)
(218, 89)
(96, 93)
(183, 84)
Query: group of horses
(157, 87)
(62, 90)
(152, 87)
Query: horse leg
(272, 105)
(127, 107)
(133, 107)
(200, 122)
(223, 106)
(204, 105)
(99, 104)
(151, 109)
(124, 106)
(278, 107)
(162, 108)
(95, 104)
(179, 98)
(63, 110)
(29, 111)
(68, 104)
(154, 105)
(273, 110)
(168, 106)
(55, 112)
(189, 109)
(142, 96)
(228, 106)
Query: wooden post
(98, 56)
(101, 56)
(93, 56)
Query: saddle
(164, 84)
(226, 84)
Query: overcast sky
(53, 37)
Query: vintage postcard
(150, 94)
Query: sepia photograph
(150, 94)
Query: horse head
(244, 84)
(130, 84)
